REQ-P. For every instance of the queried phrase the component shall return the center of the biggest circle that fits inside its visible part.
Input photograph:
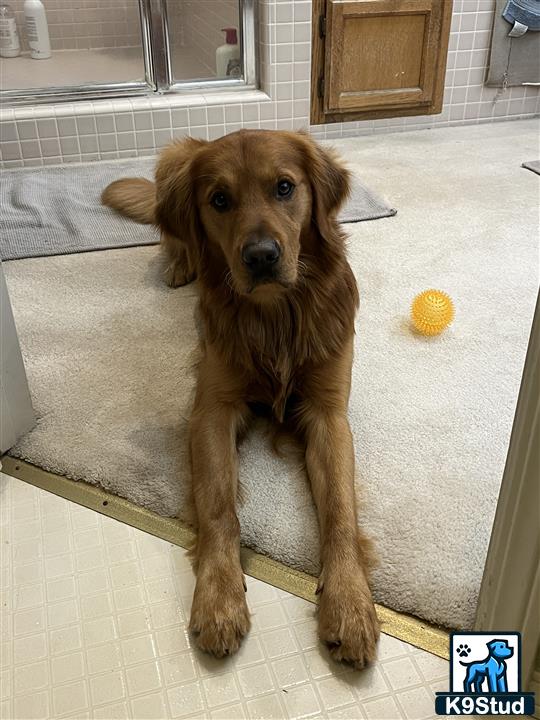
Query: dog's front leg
(219, 614)
(347, 619)
(181, 267)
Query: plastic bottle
(9, 37)
(228, 55)
(37, 30)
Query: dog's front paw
(219, 615)
(348, 623)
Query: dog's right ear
(176, 212)
(330, 184)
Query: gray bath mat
(56, 210)
(533, 165)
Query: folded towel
(523, 15)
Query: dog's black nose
(260, 255)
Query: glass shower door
(104, 48)
(207, 44)
(95, 46)
(205, 39)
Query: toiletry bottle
(37, 30)
(9, 37)
(228, 55)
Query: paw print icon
(463, 650)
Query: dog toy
(431, 312)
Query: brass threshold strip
(405, 627)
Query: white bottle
(9, 37)
(228, 55)
(37, 30)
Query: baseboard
(400, 625)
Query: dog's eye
(219, 201)
(284, 189)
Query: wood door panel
(393, 45)
(371, 55)
(376, 48)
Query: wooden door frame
(319, 116)
(510, 592)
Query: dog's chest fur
(273, 346)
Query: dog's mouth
(268, 283)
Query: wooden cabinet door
(378, 58)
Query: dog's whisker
(229, 281)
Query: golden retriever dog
(252, 216)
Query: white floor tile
(149, 707)
(302, 702)
(69, 698)
(256, 680)
(417, 703)
(336, 692)
(94, 625)
(32, 705)
(383, 709)
(290, 671)
(220, 690)
(401, 673)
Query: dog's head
(255, 199)
(500, 649)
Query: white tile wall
(141, 126)
(81, 24)
(93, 616)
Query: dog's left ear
(176, 212)
(330, 184)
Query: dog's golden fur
(285, 343)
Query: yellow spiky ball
(431, 312)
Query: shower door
(196, 29)
(101, 49)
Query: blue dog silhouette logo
(487, 675)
